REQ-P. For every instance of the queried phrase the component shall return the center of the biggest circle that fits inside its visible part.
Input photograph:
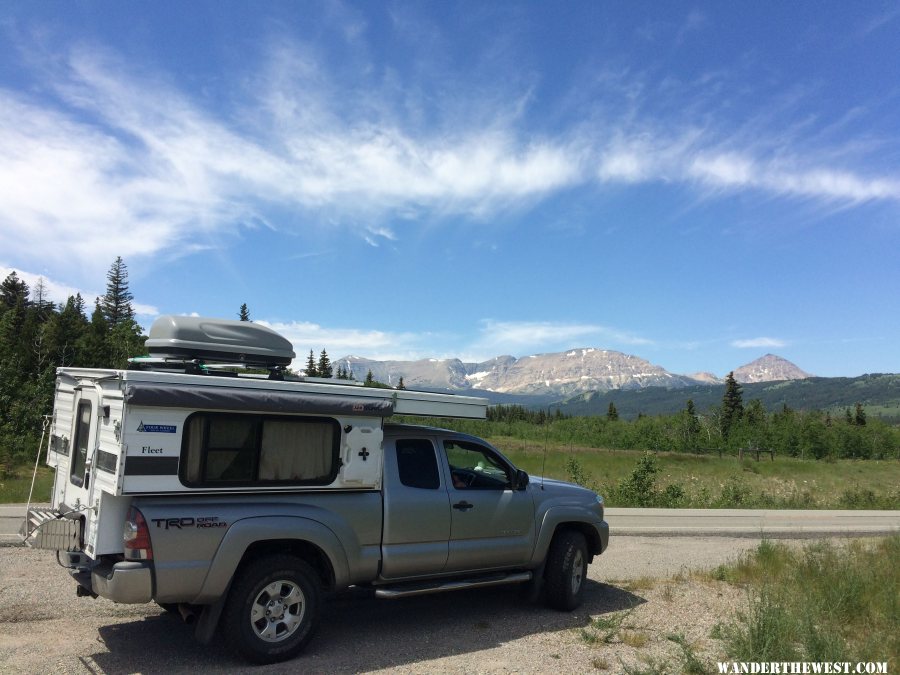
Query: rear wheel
(272, 609)
(566, 570)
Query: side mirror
(521, 480)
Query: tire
(566, 570)
(272, 609)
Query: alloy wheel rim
(577, 571)
(277, 611)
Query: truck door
(492, 525)
(416, 509)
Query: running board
(441, 586)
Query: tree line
(726, 428)
(37, 336)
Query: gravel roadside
(45, 628)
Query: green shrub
(822, 603)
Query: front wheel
(566, 570)
(272, 609)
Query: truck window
(244, 449)
(473, 466)
(82, 434)
(417, 463)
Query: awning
(254, 400)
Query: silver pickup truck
(241, 502)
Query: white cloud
(108, 161)
(697, 158)
(532, 336)
(760, 342)
(339, 342)
(494, 338)
(122, 164)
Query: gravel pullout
(45, 628)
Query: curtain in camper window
(295, 450)
(246, 449)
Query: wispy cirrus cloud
(109, 161)
(697, 159)
(125, 164)
(759, 342)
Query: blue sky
(696, 184)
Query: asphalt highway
(756, 523)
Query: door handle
(463, 506)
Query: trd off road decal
(184, 523)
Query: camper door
(84, 441)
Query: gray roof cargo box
(218, 340)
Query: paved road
(675, 522)
(750, 522)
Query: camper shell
(117, 434)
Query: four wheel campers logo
(156, 428)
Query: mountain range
(559, 374)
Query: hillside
(879, 393)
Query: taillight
(137, 537)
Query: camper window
(239, 449)
(82, 433)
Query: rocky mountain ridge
(560, 373)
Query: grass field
(704, 481)
(15, 484)
(783, 483)
(823, 603)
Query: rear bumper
(127, 582)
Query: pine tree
(400, 384)
(69, 327)
(693, 421)
(611, 413)
(732, 405)
(370, 379)
(124, 341)
(311, 370)
(341, 373)
(690, 427)
(244, 313)
(40, 300)
(755, 413)
(13, 291)
(860, 417)
(94, 347)
(116, 302)
(324, 366)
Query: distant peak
(769, 368)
